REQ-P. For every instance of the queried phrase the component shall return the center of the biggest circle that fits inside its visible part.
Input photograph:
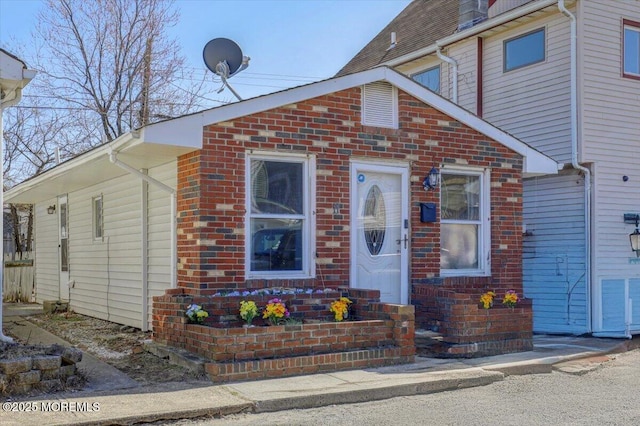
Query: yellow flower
(487, 299)
(510, 299)
(248, 311)
(340, 308)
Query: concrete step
(428, 343)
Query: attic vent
(380, 105)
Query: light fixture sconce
(634, 237)
(51, 209)
(431, 180)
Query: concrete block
(71, 356)
(46, 362)
(15, 366)
(53, 306)
(67, 370)
(27, 378)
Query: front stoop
(429, 344)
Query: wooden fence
(18, 278)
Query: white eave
(94, 167)
(162, 142)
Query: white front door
(63, 246)
(380, 230)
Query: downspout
(174, 254)
(574, 155)
(454, 68)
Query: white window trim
(632, 26)
(519, 36)
(309, 197)
(484, 237)
(93, 217)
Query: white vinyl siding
(47, 274)
(465, 53)
(107, 273)
(532, 102)
(610, 134)
(554, 253)
(159, 233)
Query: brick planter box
(467, 328)
(382, 335)
(258, 343)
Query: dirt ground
(118, 345)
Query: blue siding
(554, 253)
(634, 295)
(613, 302)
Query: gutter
(113, 157)
(476, 29)
(27, 76)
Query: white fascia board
(67, 167)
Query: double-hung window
(279, 210)
(465, 239)
(526, 49)
(631, 49)
(429, 78)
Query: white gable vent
(380, 105)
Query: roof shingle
(419, 25)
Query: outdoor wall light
(431, 180)
(51, 209)
(634, 237)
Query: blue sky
(290, 42)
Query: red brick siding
(211, 193)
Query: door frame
(63, 276)
(401, 169)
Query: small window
(631, 47)
(464, 233)
(98, 220)
(524, 50)
(429, 78)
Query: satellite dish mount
(224, 58)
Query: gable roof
(162, 142)
(420, 24)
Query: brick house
(321, 185)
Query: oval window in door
(375, 219)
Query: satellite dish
(224, 58)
